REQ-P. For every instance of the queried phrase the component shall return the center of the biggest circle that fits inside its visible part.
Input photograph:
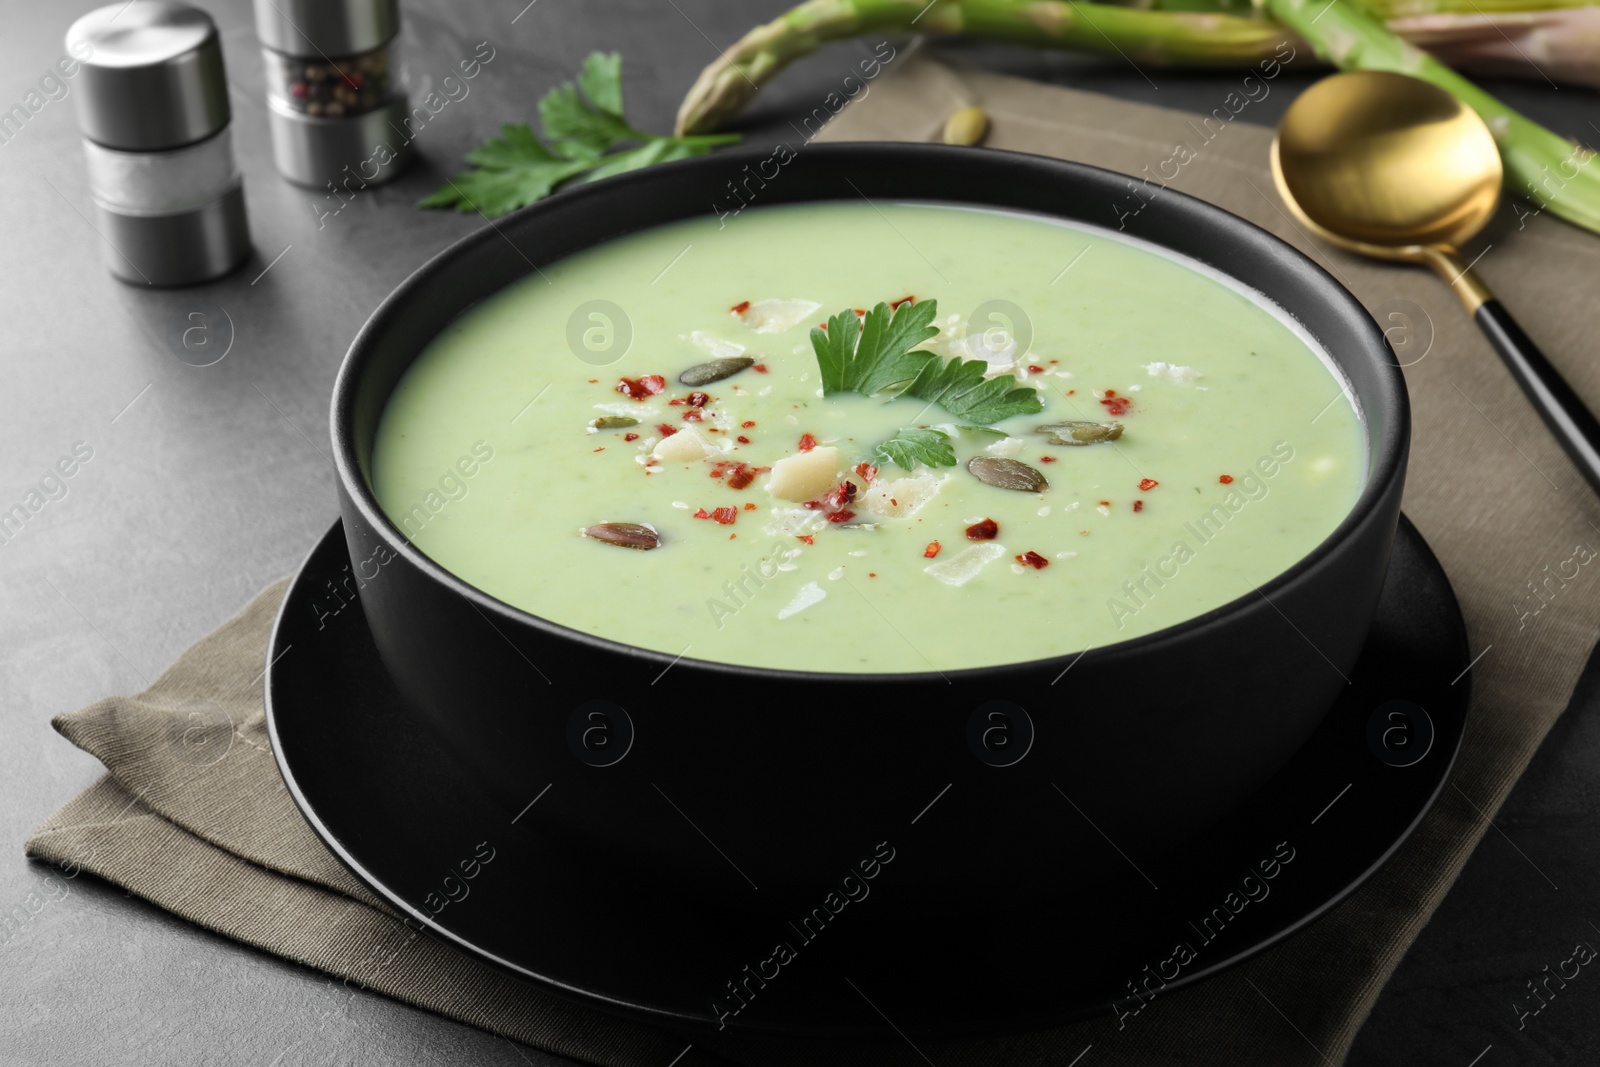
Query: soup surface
(757, 519)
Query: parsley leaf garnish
(865, 356)
(960, 387)
(870, 355)
(583, 131)
(911, 445)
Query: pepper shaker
(153, 108)
(333, 96)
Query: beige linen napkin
(194, 817)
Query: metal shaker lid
(326, 29)
(151, 76)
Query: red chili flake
(639, 388)
(593, 380)
(807, 442)
(743, 476)
(1116, 405)
(872, 574)
(987, 530)
(861, 313)
(867, 471)
(717, 472)
(1105, 503)
(741, 307)
(842, 516)
(1226, 479)
(807, 538)
(760, 368)
(1138, 505)
(702, 514)
(749, 507)
(666, 428)
(837, 497)
(1034, 560)
(894, 305)
(746, 425)
(733, 537)
(725, 516)
(1147, 484)
(1047, 459)
(742, 439)
(694, 400)
(600, 449)
(1034, 368)
(630, 437)
(931, 551)
(1072, 392)
(693, 415)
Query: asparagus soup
(869, 438)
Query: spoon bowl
(1387, 165)
(1396, 168)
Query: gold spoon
(1392, 167)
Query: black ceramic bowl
(761, 789)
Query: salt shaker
(333, 98)
(153, 108)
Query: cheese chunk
(805, 475)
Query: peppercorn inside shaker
(333, 99)
(153, 107)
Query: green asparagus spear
(1147, 37)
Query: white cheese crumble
(1175, 372)
(809, 594)
(1006, 446)
(720, 348)
(902, 497)
(995, 347)
(776, 316)
(965, 565)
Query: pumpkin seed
(715, 370)
(614, 422)
(625, 535)
(1082, 433)
(966, 126)
(1007, 474)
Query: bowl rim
(1386, 463)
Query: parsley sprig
(911, 445)
(583, 131)
(879, 353)
(871, 355)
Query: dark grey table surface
(208, 483)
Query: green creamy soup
(776, 542)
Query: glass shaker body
(334, 101)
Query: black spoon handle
(1567, 416)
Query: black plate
(371, 781)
